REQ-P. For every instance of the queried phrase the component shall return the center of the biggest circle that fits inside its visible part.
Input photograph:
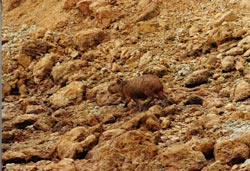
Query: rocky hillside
(59, 58)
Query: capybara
(139, 88)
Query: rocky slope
(59, 57)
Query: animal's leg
(163, 97)
(127, 100)
(139, 105)
(148, 101)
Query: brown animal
(140, 88)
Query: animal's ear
(119, 80)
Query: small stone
(145, 59)
(166, 123)
(228, 63)
(159, 70)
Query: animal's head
(116, 86)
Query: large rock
(89, 38)
(43, 67)
(61, 72)
(123, 150)
(178, 157)
(231, 152)
(240, 91)
(70, 94)
(197, 77)
(75, 143)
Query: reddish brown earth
(59, 58)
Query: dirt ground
(60, 57)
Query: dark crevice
(24, 124)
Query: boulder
(231, 152)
